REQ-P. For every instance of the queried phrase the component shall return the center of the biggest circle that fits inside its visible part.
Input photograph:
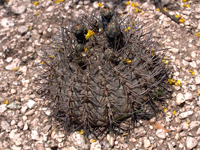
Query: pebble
(9, 59)
(198, 132)
(188, 96)
(146, 142)
(197, 79)
(194, 124)
(180, 99)
(95, 5)
(30, 103)
(3, 108)
(50, 8)
(185, 114)
(14, 105)
(95, 146)
(5, 126)
(140, 132)
(18, 10)
(111, 140)
(191, 142)
(161, 133)
(34, 135)
(15, 63)
(22, 30)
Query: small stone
(95, 146)
(13, 91)
(25, 127)
(78, 140)
(20, 124)
(146, 142)
(7, 23)
(9, 59)
(30, 49)
(19, 10)
(3, 108)
(185, 114)
(198, 132)
(5, 126)
(197, 79)
(24, 108)
(46, 129)
(22, 30)
(30, 103)
(188, 96)
(34, 135)
(111, 140)
(161, 133)
(189, 59)
(40, 146)
(139, 132)
(184, 126)
(30, 112)
(15, 63)
(14, 105)
(194, 124)
(179, 99)
(95, 5)
(50, 8)
(191, 142)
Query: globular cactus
(103, 80)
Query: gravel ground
(24, 125)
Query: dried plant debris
(100, 73)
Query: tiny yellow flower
(165, 57)
(43, 63)
(36, 13)
(127, 61)
(30, 28)
(137, 10)
(185, 1)
(36, 3)
(58, 48)
(15, 69)
(174, 112)
(182, 20)
(192, 72)
(127, 3)
(81, 132)
(186, 5)
(197, 34)
(179, 83)
(177, 16)
(58, 1)
(188, 122)
(100, 5)
(129, 28)
(168, 22)
(134, 5)
(50, 56)
(6, 102)
(166, 62)
(165, 9)
(165, 109)
(85, 49)
(52, 45)
(124, 134)
(157, 9)
(142, 13)
(89, 34)
(162, 60)
(93, 141)
(125, 30)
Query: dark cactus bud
(106, 14)
(113, 30)
(79, 31)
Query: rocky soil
(24, 124)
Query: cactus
(103, 80)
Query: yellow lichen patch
(137, 10)
(100, 5)
(6, 102)
(186, 5)
(177, 16)
(127, 3)
(81, 132)
(15, 69)
(127, 61)
(58, 1)
(197, 34)
(182, 20)
(89, 34)
(157, 9)
(165, 9)
(192, 72)
(36, 13)
(36, 3)
(85, 49)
